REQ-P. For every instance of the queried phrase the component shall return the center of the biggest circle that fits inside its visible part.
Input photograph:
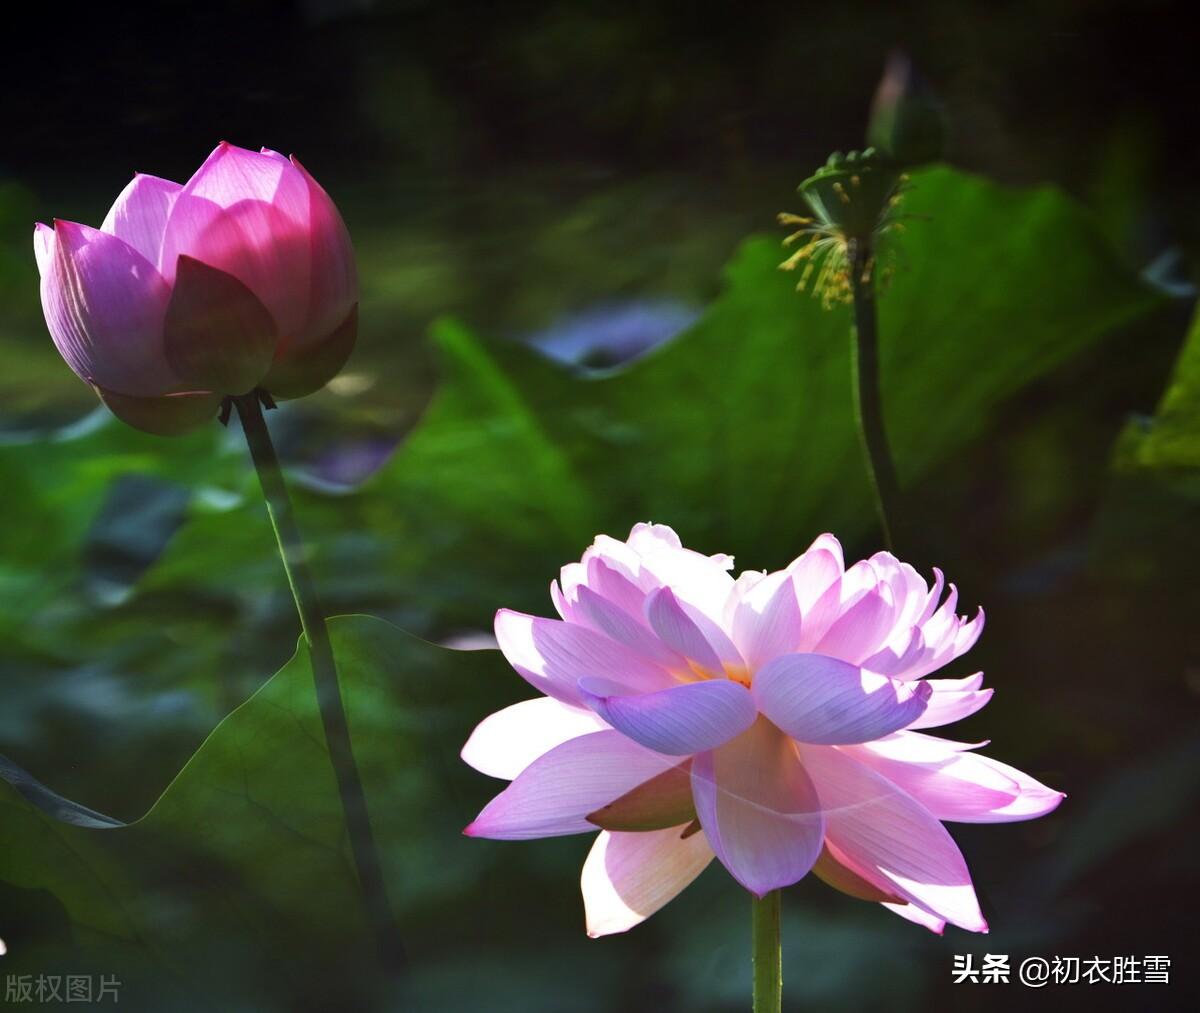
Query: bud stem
(768, 967)
(325, 676)
(868, 403)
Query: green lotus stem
(768, 967)
(294, 554)
(868, 404)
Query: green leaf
(740, 432)
(245, 851)
(1170, 442)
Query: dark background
(515, 163)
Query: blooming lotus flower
(241, 278)
(772, 721)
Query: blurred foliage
(141, 602)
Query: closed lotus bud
(907, 123)
(243, 278)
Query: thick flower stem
(768, 969)
(868, 404)
(324, 668)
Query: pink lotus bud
(242, 278)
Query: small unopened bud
(907, 124)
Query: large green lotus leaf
(243, 862)
(740, 432)
(1170, 442)
(1147, 527)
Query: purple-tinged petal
(139, 214)
(759, 809)
(217, 334)
(949, 705)
(857, 633)
(766, 620)
(955, 784)
(909, 589)
(825, 701)
(104, 305)
(614, 622)
(690, 633)
(899, 659)
(505, 743)
(932, 599)
(958, 786)
(970, 682)
(170, 415)
(554, 794)
(817, 615)
(679, 721)
(627, 877)
(553, 656)
(891, 839)
(814, 573)
(607, 581)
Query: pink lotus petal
(305, 369)
(909, 589)
(609, 582)
(858, 632)
(957, 785)
(766, 620)
(334, 289)
(647, 539)
(679, 721)
(104, 305)
(614, 622)
(216, 334)
(822, 700)
(815, 573)
(954, 783)
(759, 809)
(233, 175)
(553, 795)
(949, 705)
(966, 684)
(506, 742)
(891, 839)
(697, 580)
(627, 877)
(816, 617)
(139, 214)
(906, 652)
(680, 629)
(43, 247)
(555, 655)
(617, 556)
(255, 242)
(934, 596)
(919, 916)
(169, 415)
